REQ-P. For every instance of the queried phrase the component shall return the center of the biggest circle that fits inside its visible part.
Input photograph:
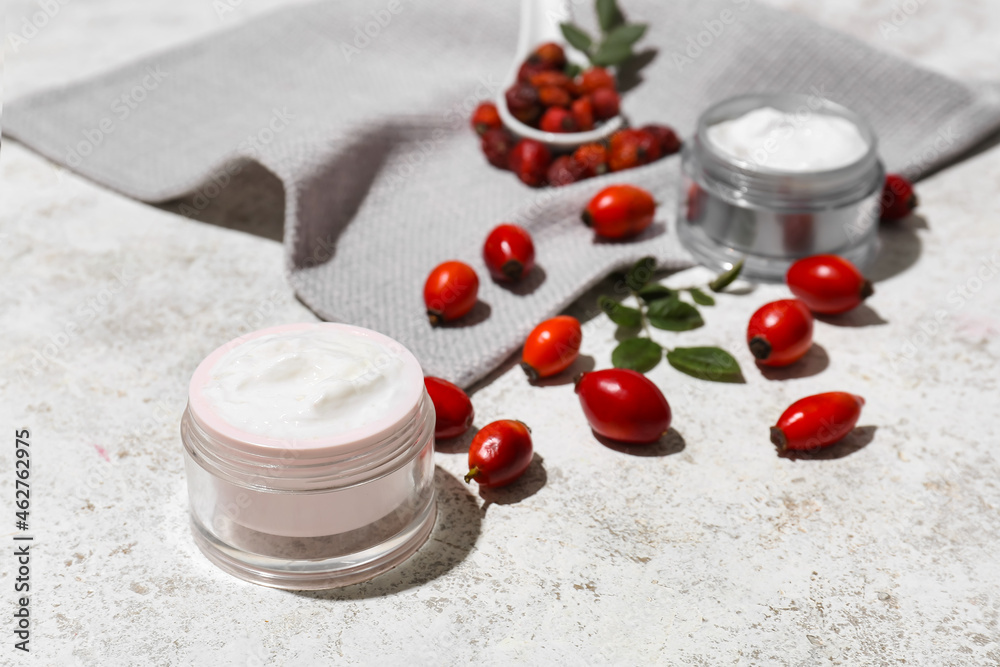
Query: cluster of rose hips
(622, 404)
(780, 334)
(544, 96)
(619, 404)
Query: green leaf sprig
(662, 308)
(617, 36)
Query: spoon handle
(540, 21)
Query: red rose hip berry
(549, 55)
(898, 198)
(592, 159)
(632, 148)
(497, 144)
(828, 284)
(452, 407)
(780, 332)
(486, 117)
(530, 160)
(620, 211)
(668, 140)
(623, 405)
(522, 102)
(564, 171)
(551, 347)
(605, 103)
(557, 119)
(583, 113)
(509, 253)
(500, 453)
(450, 291)
(817, 421)
(595, 78)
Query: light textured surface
(360, 140)
(720, 553)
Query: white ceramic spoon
(540, 21)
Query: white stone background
(721, 553)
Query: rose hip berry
(632, 148)
(828, 284)
(780, 332)
(564, 171)
(450, 291)
(452, 408)
(592, 159)
(583, 113)
(553, 96)
(665, 137)
(623, 405)
(522, 102)
(595, 78)
(486, 117)
(817, 421)
(551, 347)
(497, 144)
(530, 160)
(500, 453)
(557, 119)
(509, 253)
(550, 55)
(620, 211)
(898, 198)
(551, 78)
(605, 103)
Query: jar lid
(359, 440)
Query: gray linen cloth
(383, 178)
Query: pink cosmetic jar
(309, 456)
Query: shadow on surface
(899, 247)
(854, 441)
(251, 201)
(455, 533)
(530, 483)
(671, 442)
(457, 445)
(862, 316)
(527, 285)
(630, 73)
(582, 364)
(814, 363)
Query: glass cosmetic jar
(309, 456)
(768, 210)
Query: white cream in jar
(799, 141)
(309, 455)
(305, 385)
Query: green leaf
(724, 279)
(640, 273)
(638, 354)
(620, 314)
(626, 35)
(706, 363)
(608, 15)
(572, 70)
(576, 37)
(700, 297)
(654, 292)
(608, 55)
(674, 315)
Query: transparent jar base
(720, 256)
(295, 570)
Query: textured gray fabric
(383, 177)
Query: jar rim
(244, 442)
(749, 181)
